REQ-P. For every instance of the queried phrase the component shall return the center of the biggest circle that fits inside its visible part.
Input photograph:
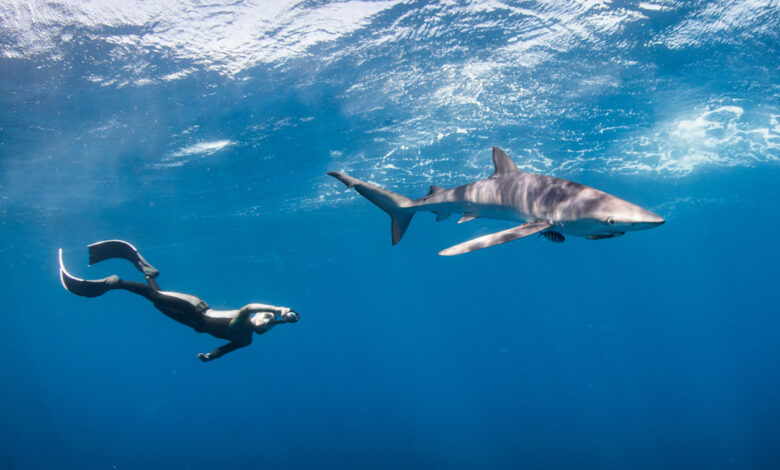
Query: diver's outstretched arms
(280, 315)
(221, 351)
(84, 287)
(109, 249)
(255, 308)
(283, 312)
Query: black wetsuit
(183, 308)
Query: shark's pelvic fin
(503, 163)
(400, 208)
(442, 216)
(496, 238)
(468, 217)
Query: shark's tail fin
(400, 208)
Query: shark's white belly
(485, 211)
(579, 228)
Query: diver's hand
(282, 311)
(290, 316)
(205, 357)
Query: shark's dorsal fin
(503, 163)
(435, 189)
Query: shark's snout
(647, 220)
(653, 219)
(623, 216)
(658, 220)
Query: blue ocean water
(201, 132)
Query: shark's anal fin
(496, 238)
(467, 218)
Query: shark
(546, 205)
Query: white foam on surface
(725, 21)
(199, 148)
(435, 84)
(221, 35)
(186, 154)
(651, 6)
(716, 136)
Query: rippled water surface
(202, 131)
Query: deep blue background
(655, 350)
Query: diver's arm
(243, 314)
(256, 308)
(221, 351)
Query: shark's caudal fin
(400, 208)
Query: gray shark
(547, 205)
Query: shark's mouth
(603, 236)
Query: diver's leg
(98, 287)
(185, 309)
(152, 283)
(120, 249)
(137, 288)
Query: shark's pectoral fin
(496, 238)
(468, 217)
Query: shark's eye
(610, 220)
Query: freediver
(233, 325)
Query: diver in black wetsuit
(233, 325)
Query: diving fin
(84, 287)
(496, 238)
(109, 249)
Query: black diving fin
(84, 287)
(109, 249)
